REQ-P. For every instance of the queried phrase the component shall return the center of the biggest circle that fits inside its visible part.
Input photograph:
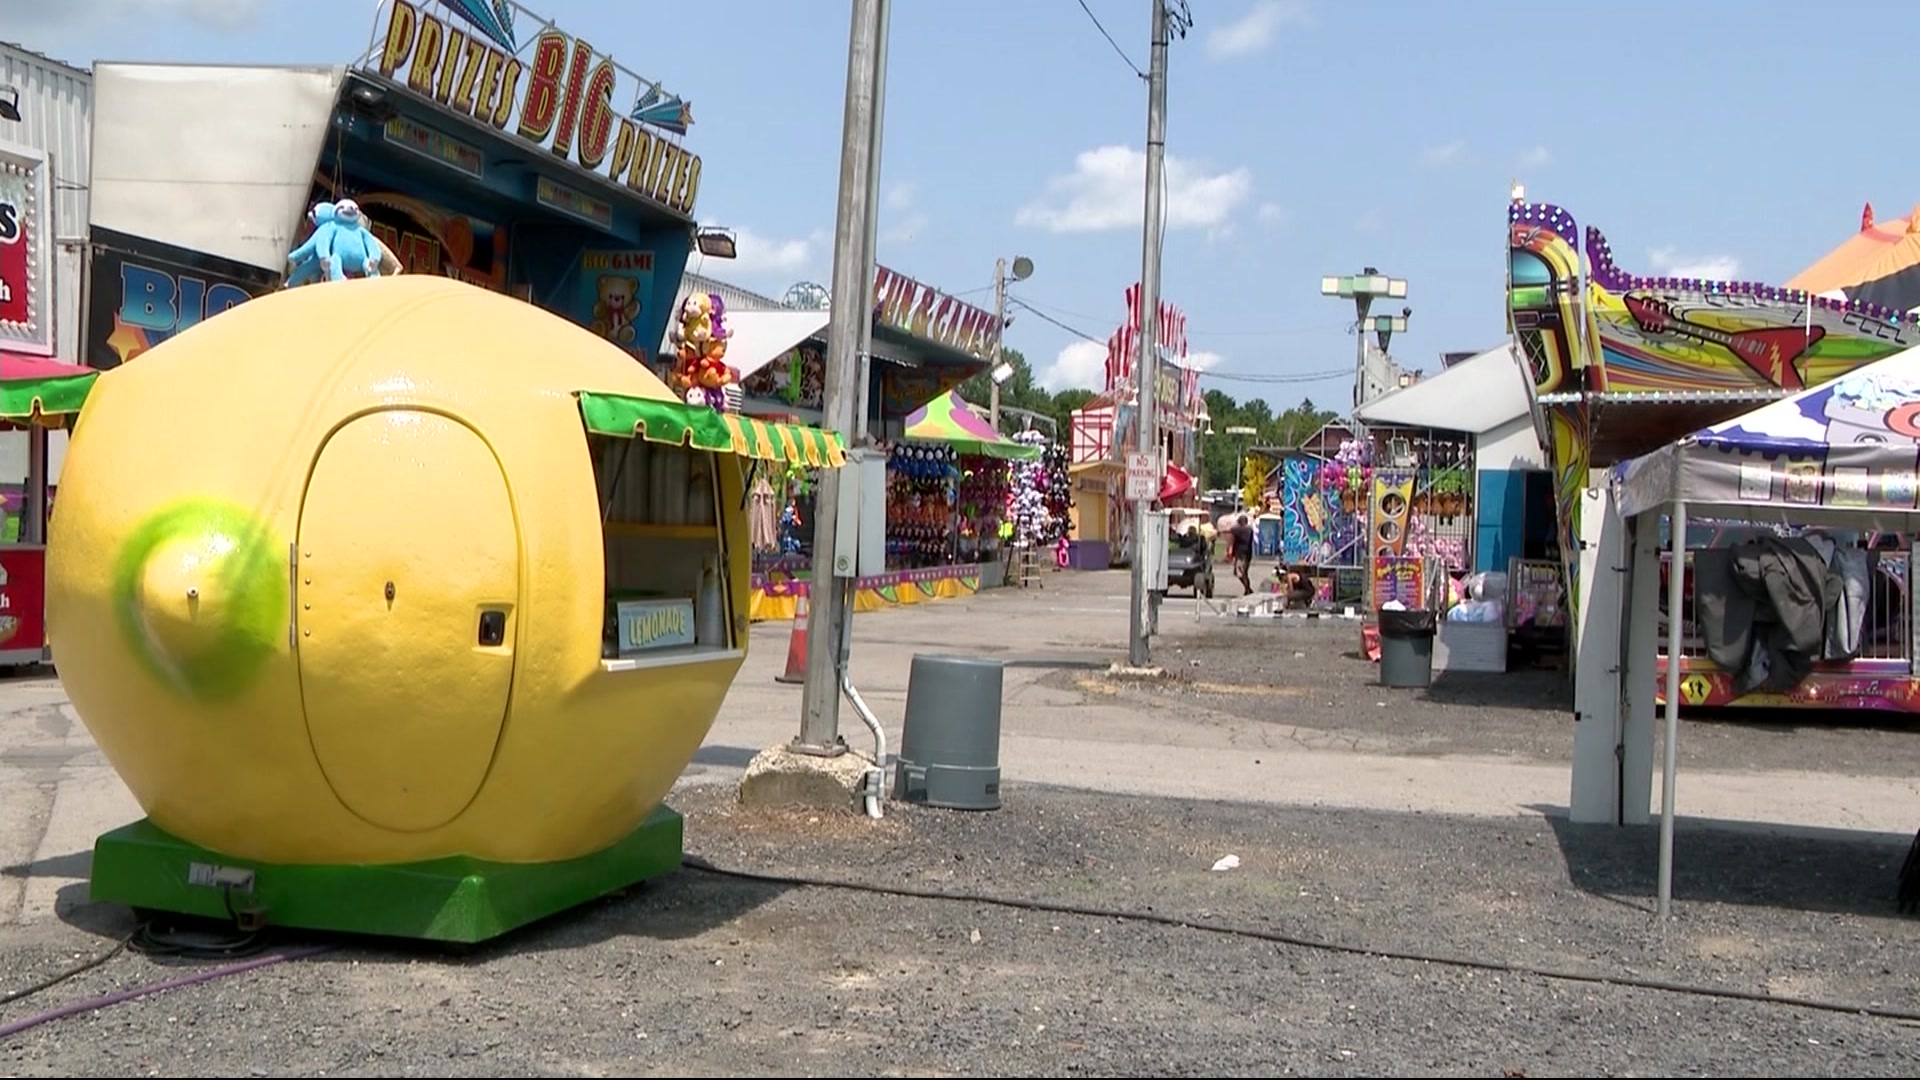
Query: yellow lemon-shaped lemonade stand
(399, 605)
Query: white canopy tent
(1845, 454)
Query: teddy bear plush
(700, 370)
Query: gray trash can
(950, 742)
(1406, 647)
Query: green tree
(1220, 453)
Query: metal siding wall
(56, 116)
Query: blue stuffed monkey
(341, 244)
(305, 259)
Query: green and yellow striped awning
(702, 428)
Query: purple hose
(121, 997)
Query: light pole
(1363, 289)
(1000, 372)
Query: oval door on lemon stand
(408, 572)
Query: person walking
(1240, 550)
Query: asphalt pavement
(1398, 894)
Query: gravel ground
(1309, 674)
(705, 975)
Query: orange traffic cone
(796, 646)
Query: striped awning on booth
(702, 428)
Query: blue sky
(1305, 137)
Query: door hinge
(293, 595)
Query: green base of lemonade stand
(457, 900)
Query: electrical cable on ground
(1629, 982)
(81, 968)
(133, 993)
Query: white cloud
(1255, 30)
(1439, 157)
(1537, 158)
(28, 19)
(1272, 214)
(767, 261)
(1667, 263)
(1107, 189)
(900, 217)
(1080, 366)
(1083, 366)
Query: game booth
(37, 392)
(1104, 430)
(1620, 365)
(956, 489)
(1460, 445)
(392, 572)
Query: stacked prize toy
(980, 497)
(1027, 504)
(1059, 491)
(920, 504)
(699, 337)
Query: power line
(1280, 380)
(1074, 330)
(1276, 380)
(1118, 51)
(1302, 330)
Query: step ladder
(1028, 566)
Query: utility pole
(829, 592)
(1147, 369)
(998, 371)
(870, 239)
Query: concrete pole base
(1126, 671)
(780, 776)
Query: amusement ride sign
(555, 91)
(26, 285)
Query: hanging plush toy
(341, 245)
(700, 370)
(305, 260)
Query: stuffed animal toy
(305, 259)
(700, 371)
(341, 245)
(352, 248)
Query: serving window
(668, 531)
(666, 554)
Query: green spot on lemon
(200, 594)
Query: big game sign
(552, 89)
(26, 256)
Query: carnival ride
(1621, 364)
